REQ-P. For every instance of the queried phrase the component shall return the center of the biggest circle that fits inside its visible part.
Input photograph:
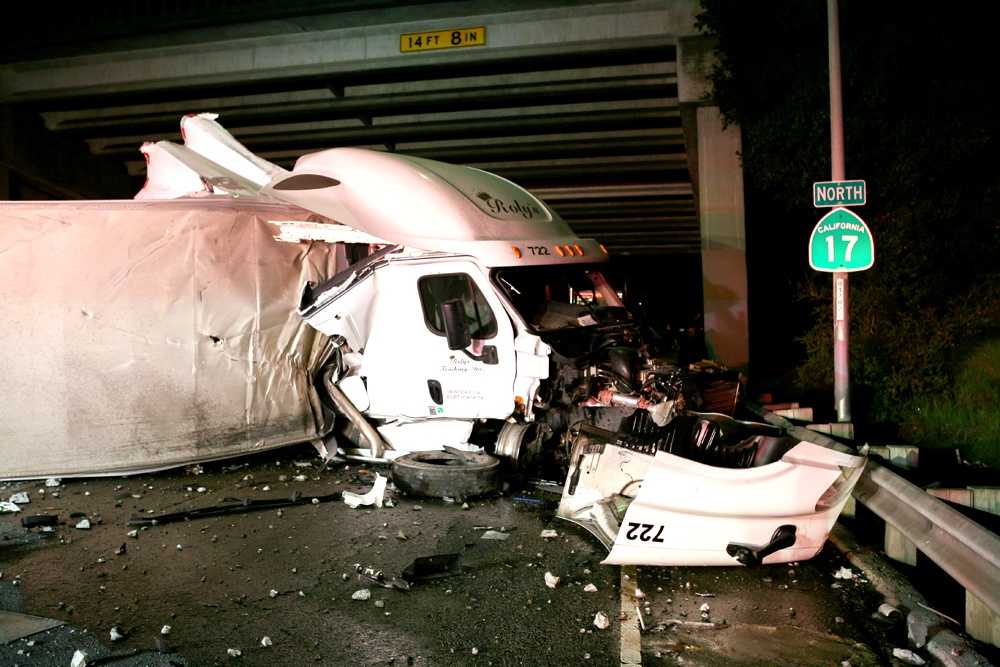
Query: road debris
(235, 506)
(52, 482)
(266, 641)
(80, 659)
(494, 535)
(40, 520)
(844, 573)
(551, 580)
(165, 630)
(639, 595)
(234, 652)
(601, 621)
(7, 506)
(887, 610)
(272, 594)
(362, 594)
(705, 595)
(670, 622)
(83, 524)
(375, 496)
(548, 533)
(116, 634)
(590, 588)
(908, 656)
(642, 623)
(941, 614)
(20, 498)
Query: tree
(919, 130)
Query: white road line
(631, 639)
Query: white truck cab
(442, 324)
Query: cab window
(435, 290)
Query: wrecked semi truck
(477, 329)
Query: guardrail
(969, 553)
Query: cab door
(409, 369)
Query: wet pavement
(227, 582)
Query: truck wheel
(446, 474)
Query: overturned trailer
(475, 319)
(146, 335)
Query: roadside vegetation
(922, 135)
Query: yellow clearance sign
(442, 39)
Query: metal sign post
(841, 314)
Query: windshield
(558, 297)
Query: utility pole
(841, 314)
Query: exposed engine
(609, 377)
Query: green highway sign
(839, 193)
(841, 242)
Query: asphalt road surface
(227, 582)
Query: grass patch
(969, 418)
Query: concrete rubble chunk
(53, 481)
(494, 535)
(6, 506)
(266, 641)
(116, 634)
(80, 659)
(548, 533)
(844, 573)
(601, 621)
(950, 650)
(165, 630)
(83, 524)
(908, 656)
(919, 624)
(590, 588)
(234, 652)
(551, 580)
(362, 594)
(20, 498)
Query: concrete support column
(723, 238)
(717, 175)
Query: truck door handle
(437, 395)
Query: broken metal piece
(240, 507)
(39, 520)
(783, 537)
(432, 567)
(375, 495)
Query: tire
(445, 474)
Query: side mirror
(456, 329)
